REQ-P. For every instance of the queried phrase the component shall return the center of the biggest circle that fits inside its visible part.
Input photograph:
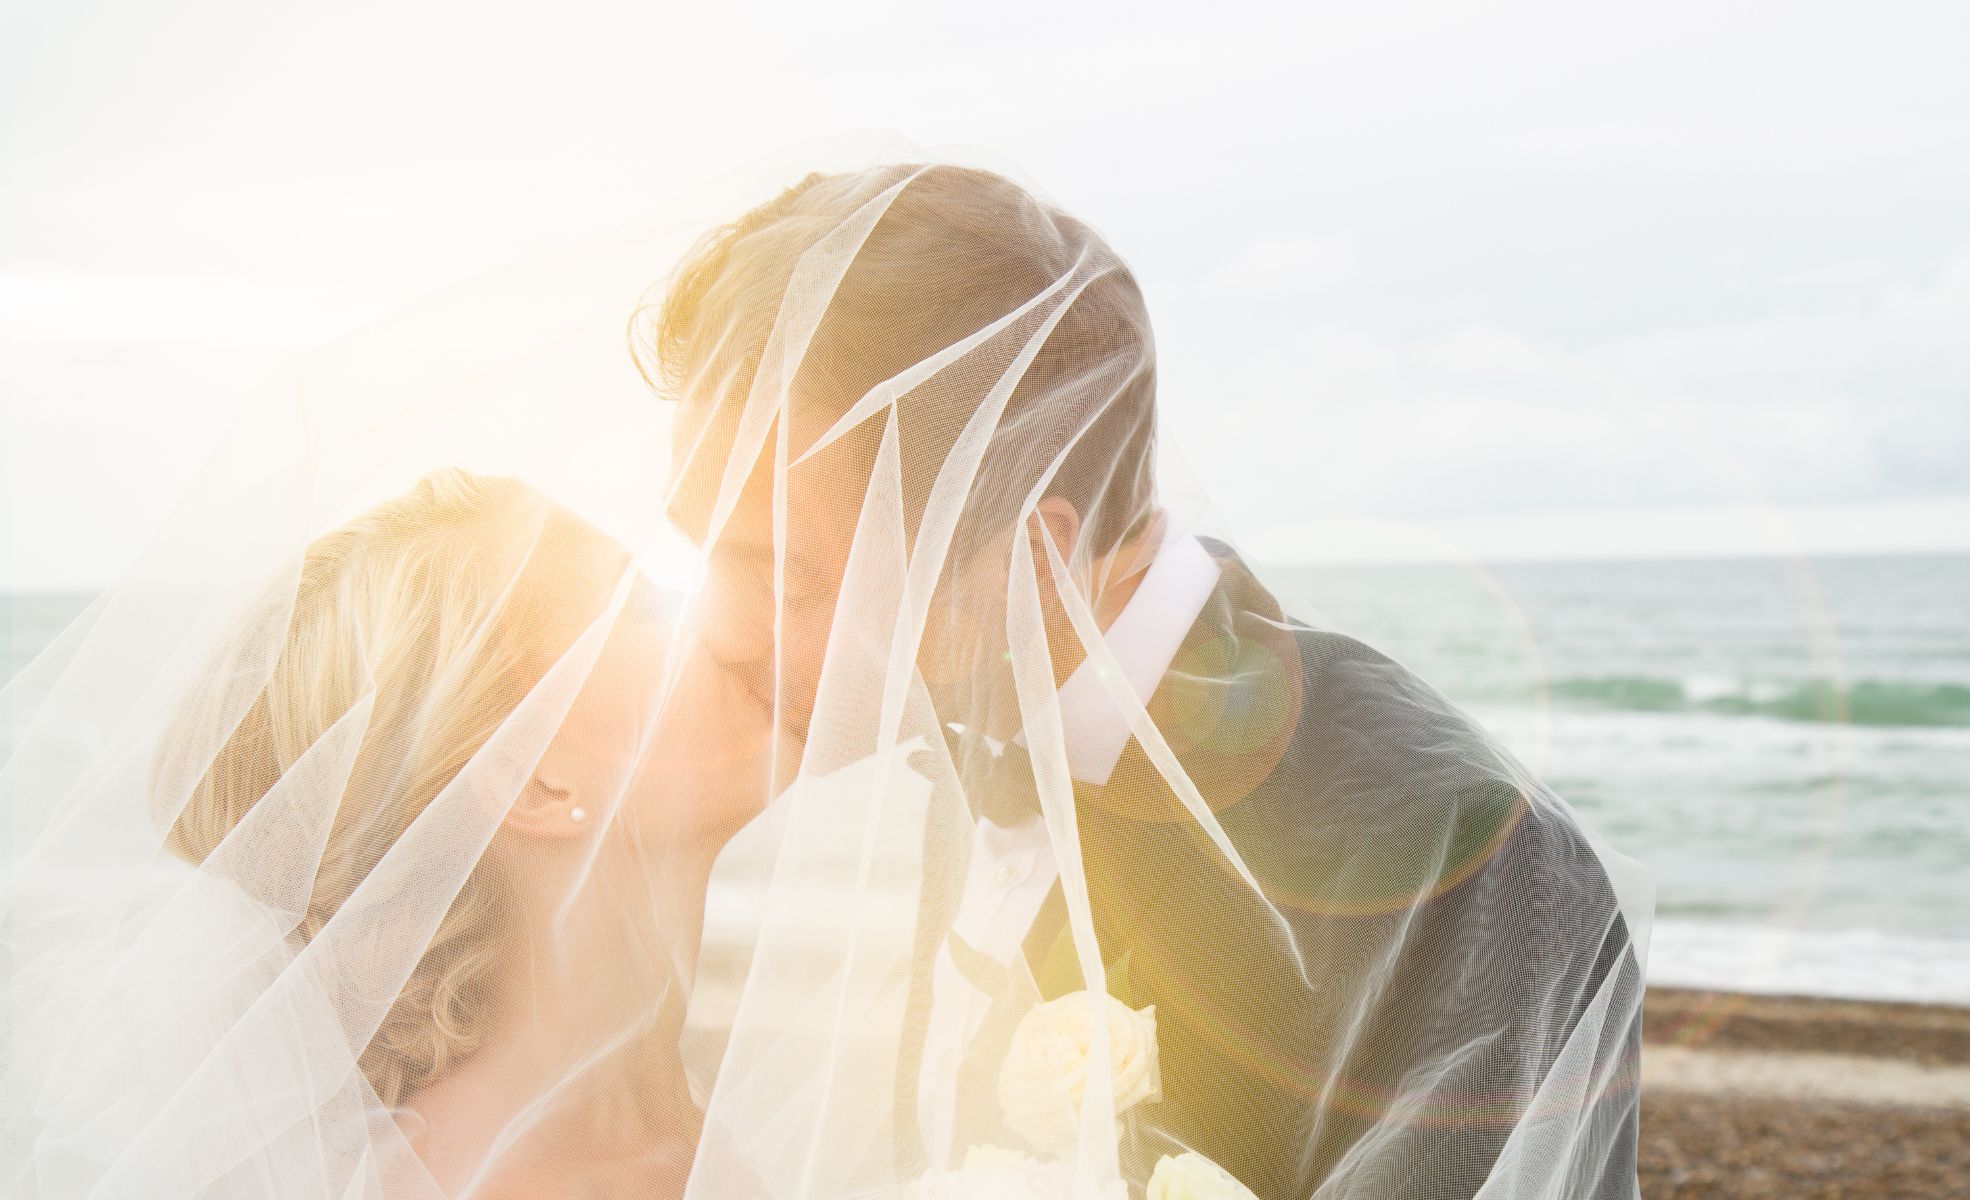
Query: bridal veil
(1061, 855)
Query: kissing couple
(1044, 850)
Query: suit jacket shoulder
(1420, 893)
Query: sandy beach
(1762, 1096)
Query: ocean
(1784, 743)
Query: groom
(1436, 964)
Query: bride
(562, 964)
(417, 850)
(1039, 845)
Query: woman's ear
(547, 808)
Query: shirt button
(1003, 876)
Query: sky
(1501, 281)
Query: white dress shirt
(1012, 871)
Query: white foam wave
(1859, 964)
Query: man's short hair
(956, 250)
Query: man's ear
(547, 808)
(1056, 519)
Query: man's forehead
(823, 503)
(699, 479)
(816, 524)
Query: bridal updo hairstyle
(443, 603)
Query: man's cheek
(806, 651)
(735, 627)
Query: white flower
(1045, 1072)
(1191, 1176)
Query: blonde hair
(438, 602)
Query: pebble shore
(1802, 1098)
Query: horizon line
(1273, 562)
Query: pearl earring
(577, 814)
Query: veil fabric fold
(818, 745)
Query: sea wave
(1860, 964)
(1862, 702)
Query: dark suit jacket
(1438, 951)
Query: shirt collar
(1144, 639)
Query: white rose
(1045, 1071)
(1191, 1176)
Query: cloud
(1284, 268)
(1866, 407)
(60, 306)
(1423, 261)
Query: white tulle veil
(357, 840)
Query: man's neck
(1116, 576)
(994, 709)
